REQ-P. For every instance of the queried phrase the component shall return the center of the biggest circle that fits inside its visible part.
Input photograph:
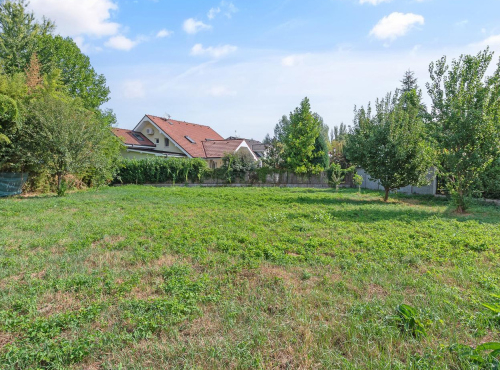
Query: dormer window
(138, 136)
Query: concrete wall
(422, 190)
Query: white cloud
(214, 52)
(492, 41)
(396, 25)
(373, 2)
(220, 91)
(164, 33)
(77, 17)
(462, 23)
(292, 60)
(213, 12)
(192, 26)
(133, 89)
(226, 8)
(121, 42)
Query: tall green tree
(299, 142)
(77, 74)
(19, 33)
(465, 120)
(391, 145)
(321, 156)
(21, 36)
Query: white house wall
(430, 189)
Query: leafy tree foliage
(391, 145)
(300, 139)
(321, 157)
(9, 118)
(19, 32)
(66, 138)
(339, 132)
(21, 36)
(77, 74)
(409, 82)
(465, 120)
(336, 175)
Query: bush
(161, 170)
(489, 182)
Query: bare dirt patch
(5, 338)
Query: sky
(239, 65)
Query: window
(157, 141)
(138, 136)
(167, 142)
(190, 140)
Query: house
(165, 137)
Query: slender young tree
(465, 120)
(300, 139)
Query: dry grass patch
(57, 302)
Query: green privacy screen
(12, 183)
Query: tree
(9, 118)
(340, 132)
(391, 145)
(465, 120)
(336, 175)
(34, 79)
(19, 33)
(321, 157)
(275, 155)
(21, 36)
(77, 74)
(66, 138)
(409, 82)
(281, 129)
(267, 140)
(358, 181)
(299, 141)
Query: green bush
(159, 170)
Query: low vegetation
(213, 278)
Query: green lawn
(245, 278)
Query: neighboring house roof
(218, 148)
(133, 138)
(187, 135)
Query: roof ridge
(175, 120)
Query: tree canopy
(465, 120)
(390, 145)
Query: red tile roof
(178, 130)
(217, 149)
(129, 139)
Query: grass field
(250, 278)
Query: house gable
(158, 134)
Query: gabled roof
(187, 135)
(130, 137)
(218, 148)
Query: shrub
(161, 170)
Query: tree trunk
(386, 196)
(59, 179)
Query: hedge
(159, 170)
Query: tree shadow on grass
(400, 207)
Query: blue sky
(238, 66)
